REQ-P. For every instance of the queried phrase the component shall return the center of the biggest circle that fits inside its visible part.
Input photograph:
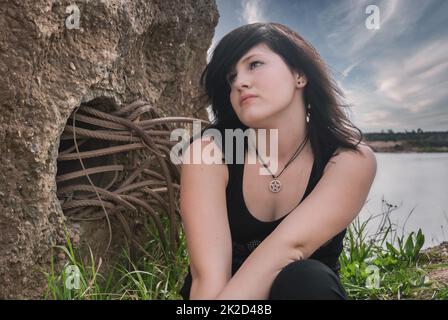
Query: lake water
(411, 181)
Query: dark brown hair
(329, 126)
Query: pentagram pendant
(275, 186)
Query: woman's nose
(241, 81)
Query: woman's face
(262, 73)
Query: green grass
(381, 266)
(156, 275)
(394, 261)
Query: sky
(394, 76)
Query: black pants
(307, 280)
(300, 280)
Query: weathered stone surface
(123, 50)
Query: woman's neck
(284, 139)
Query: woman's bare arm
(331, 206)
(204, 218)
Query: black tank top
(248, 232)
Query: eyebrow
(247, 58)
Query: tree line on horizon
(417, 137)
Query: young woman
(276, 236)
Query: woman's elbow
(203, 289)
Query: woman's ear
(301, 79)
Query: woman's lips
(247, 99)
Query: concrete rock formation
(122, 50)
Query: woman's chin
(254, 120)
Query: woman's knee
(307, 279)
(304, 271)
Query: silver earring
(308, 114)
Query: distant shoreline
(402, 147)
(408, 141)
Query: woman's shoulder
(361, 149)
(362, 155)
(207, 156)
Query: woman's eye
(252, 63)
(232, 76)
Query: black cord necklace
(275, 185)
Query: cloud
(401, 93)
(415, 82)
(368, 111)
(394, 77)
(344, 24)
(253, 11)
(210, 50)
(349, 69)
